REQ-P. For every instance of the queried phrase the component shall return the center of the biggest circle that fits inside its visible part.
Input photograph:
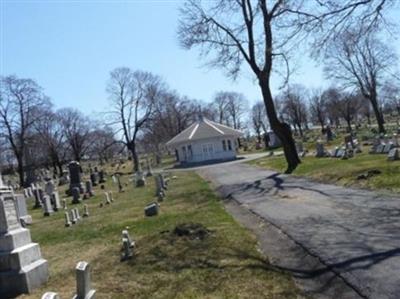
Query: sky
(69, 47)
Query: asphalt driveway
(355, 233)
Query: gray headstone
(22, 211)
(76, 195)
(67, 220)
(128, 252)
(38, 192)
(55, 199)
(320, 150)
(387, 148)
(85, 211)
(393, 154)
(93, 179)
(380, 148)
(49, 187)
(75, 176)
(102, 178)
(73, 216)
(89, 188)
(83, 283)
(18, 274)
(50, 295)
(48, 208)
(340, 153)
(151, 209)
(140, 179)
(125, 234)
(64, 201)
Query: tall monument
(22, 267)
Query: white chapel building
(205, 140)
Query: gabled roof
(204, 129)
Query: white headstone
(83, 284)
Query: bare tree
(21, 106)
(220, 103)
(347, 106)
(104, 146)
(361, 62)
(259, 120)
(133, 95)
(294, 107)
(51, 134)
(260, 33)
(318, 108)
(76, 128)
(391, 95)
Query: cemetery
(330, 166)
(200, 149)
(168, 249)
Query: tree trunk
(348, 125)
(135, 157)
(281, 129)
(378, 114)
(300, 131)
(20, 169)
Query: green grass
(226, 264)
(343, 172)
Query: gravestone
(20, 203)
(102, 178)
(159, 189)
(107, 198)
(75, 176)
(89, 188)
(38, 192)
(393, 154)
(83, 284)
(64, 201)
(387, 148)
(50, 295)
(380, 148)
(148, 166)
(73, 216)
(85, 210)
(55, 200)
(110, 193)
(48, 208)
(151, 209)
(78, 217)
(340, 153)
(67, 220)
(128, 251)
(76, 195)
(140, 179)
(125, 234)
(334, 152)
(49, 187)
(320, 150)
(163, 181)
(93, 179)
(22, 268)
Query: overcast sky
(69, 48)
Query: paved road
(240, 159)
(355, 233)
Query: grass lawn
(225, 264)
(343, 172)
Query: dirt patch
(368, 174)
(191, 230)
